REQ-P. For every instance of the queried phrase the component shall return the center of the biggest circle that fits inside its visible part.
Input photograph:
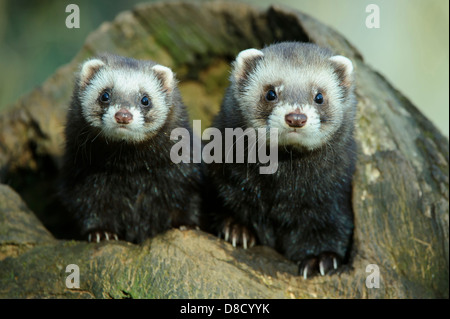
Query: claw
(227, 233)
(251, 241)
(322, 264)
(237, 234)
(101, 235)
(305, 272)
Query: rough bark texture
(400, 196)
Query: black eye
(318, 98)
(271, 95)
(145, 101)
(105, 97)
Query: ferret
(117, 177)
(304, 209)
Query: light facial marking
(319, 78)
(133, 131)
(126, 83)
(309, 136)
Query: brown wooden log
(400, 192)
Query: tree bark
(400, 187)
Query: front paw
(237, 234)
(322, 264)
(101, 235)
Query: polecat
(303, 210)
(117, 177)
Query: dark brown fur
(303, 210)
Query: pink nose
(296, 119)
(123, 117)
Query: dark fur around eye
(271, 96)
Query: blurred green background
(411, 47)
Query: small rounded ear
(165, 77)
(343, 67)
(89, 69)
(245, 62)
